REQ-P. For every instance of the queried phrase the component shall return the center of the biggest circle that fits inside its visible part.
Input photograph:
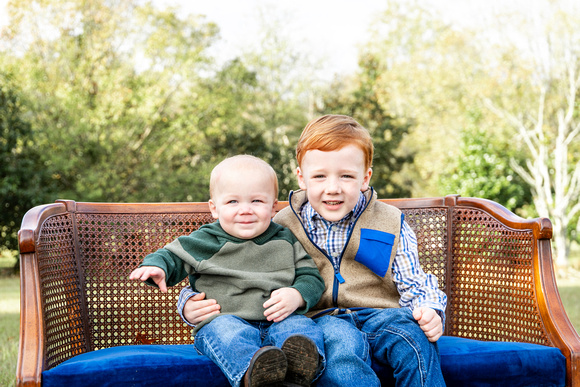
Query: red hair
(333, 132)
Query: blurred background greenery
(126, 100)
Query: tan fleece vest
(362, 287)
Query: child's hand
(282, 303)
(197, 309)
(430, 322)
(145, 272)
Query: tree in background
(284, 96)
(546, 123)
(358, 98)
(483, 170)
(127, 104)
(437, 73)
(426, 70)
(24, 180)
(103, 80)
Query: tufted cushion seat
(464, 362)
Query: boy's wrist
(185, 294)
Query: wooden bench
(495, 267)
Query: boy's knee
(396, 316)
(343, 336)
(399, 321)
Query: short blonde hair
(242, 161)
(333, 132)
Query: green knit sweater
(240, 274)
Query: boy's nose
(245, 209)
(332, 186)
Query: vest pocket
(375, 250)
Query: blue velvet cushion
(464, 363)
(467, 362)
(137, 365)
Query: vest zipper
(338, 278)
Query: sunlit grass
(570, 294)
(9, 328)
(7, 259)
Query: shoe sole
(303, 360)
(267, 368)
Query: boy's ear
(366, 180)
(274, 208)
(301, 182)
(213, 209)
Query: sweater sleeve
(307, 280)
(182, 256)
(170, 263)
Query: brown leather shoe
(303, 360)
(267, 368)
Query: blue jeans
(231, 341)
(391, 336)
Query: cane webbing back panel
(491, 294)
(116, 311)
(61, 290)
(119, 310)
(430, 227)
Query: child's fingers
(161, 284)
(417, 314)
(424, 315)
(281, 316)
(135, 274)
(155, 273)
(197, 308)
(273, 300)
(277, 312)
(142, 273)
(434, 333)
(198, 296)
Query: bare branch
(517, 123)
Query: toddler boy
(257, 271)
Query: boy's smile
(333, 180)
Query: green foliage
(570, 294)
(24, 179)
(126, 104)
(483, 170)
(362, 103)
(103, 92)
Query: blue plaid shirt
(415, 287)
(331, 237)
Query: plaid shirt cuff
(185, 294)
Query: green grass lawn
(9, 328)
(570, 294)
